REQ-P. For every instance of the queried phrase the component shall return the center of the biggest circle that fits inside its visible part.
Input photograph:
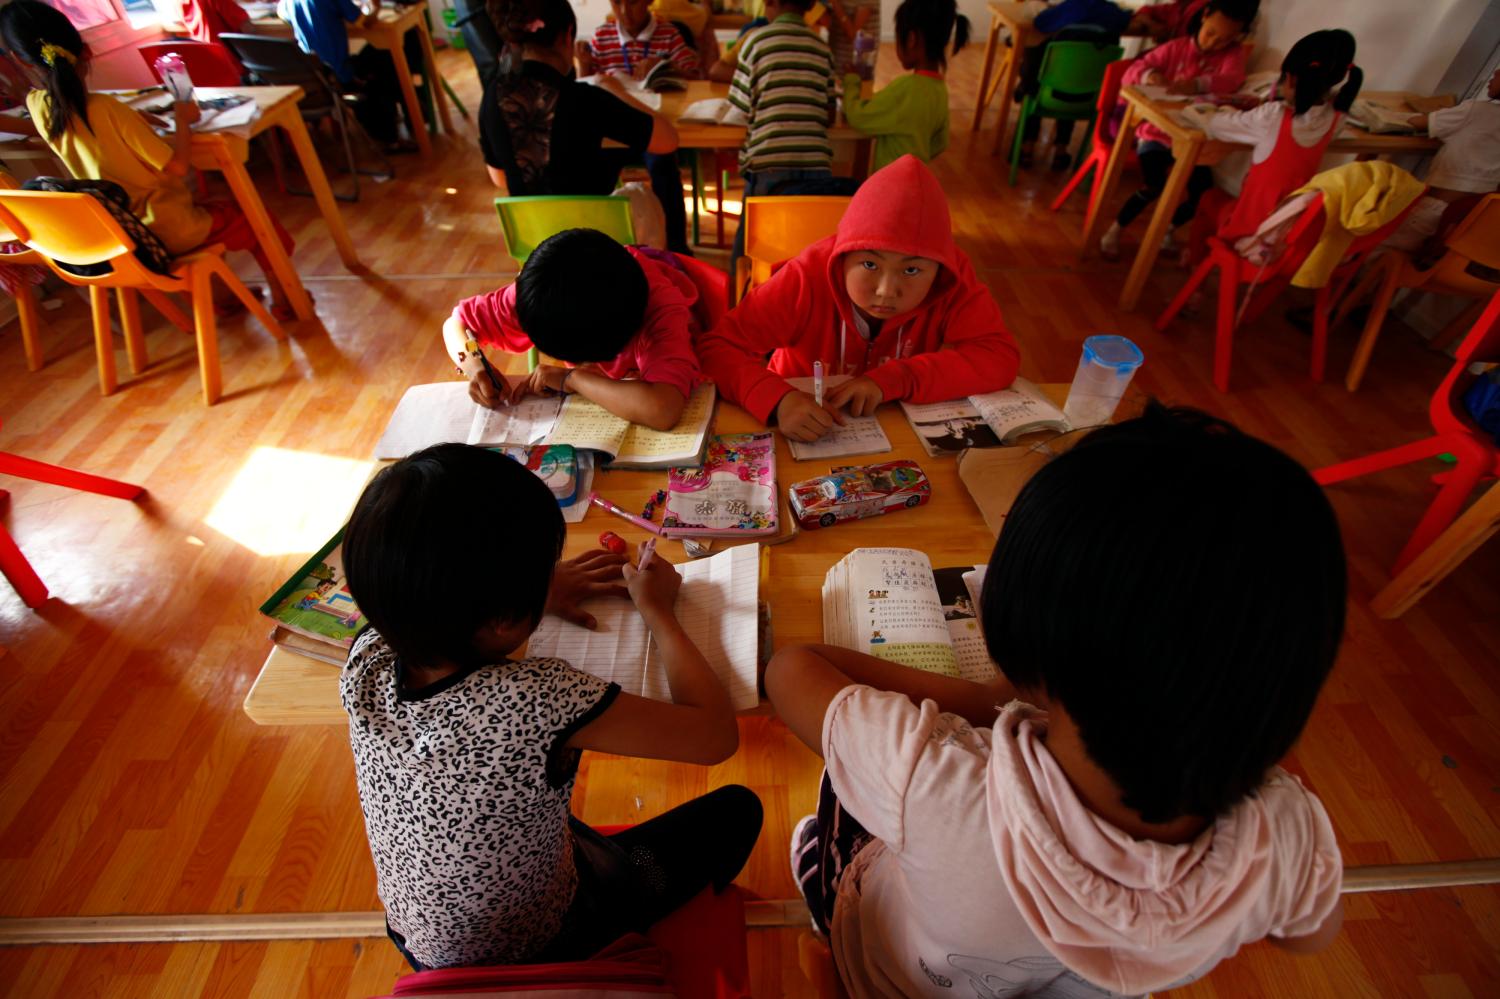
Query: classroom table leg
(982, 95)
(1186, 158)
(130, 322)
(1095, 221)
(104, 338)
(1008, 76)
(265, 233)
(290, 121)
(409, 95)
(1472, 528)
(436, 85)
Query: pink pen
(640, 522)
(647, 550)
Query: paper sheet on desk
(633, 86)
(858, 435)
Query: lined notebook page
(717, 608)
(427, 414)
(525, 422)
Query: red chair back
(208, 63)
(1107, 124)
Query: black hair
(1319, 61)
(43, 37)
(581, 296)
(798, 5)
(1241, 12)
(1178, 587)
(532, 22)
(933, 21)
(446, 541)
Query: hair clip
(532, 27)
(51, 52)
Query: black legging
(375, 73)
(1156, 164)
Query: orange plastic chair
(1455, 433)
(1102, 139)
(27, 314)
(76, 229)
(1475, 240)
(779, 227)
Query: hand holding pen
(653, 584)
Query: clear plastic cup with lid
(1104, 371)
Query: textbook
(718, 607)
(432, 414)
(1381, 119)
(315, 603)
(889, 603)
(713, 111)
(857, 435)
(733, 495)
(987, 420)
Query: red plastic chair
(1455, 433)
(13, 564)
(208, 63)
(698, 952)
(1103, 139)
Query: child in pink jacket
(889, 300)
(1210, 59)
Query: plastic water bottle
(1104, 371)
(866, 47)
(173, 72)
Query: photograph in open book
(955, 434)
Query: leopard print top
(465, 786)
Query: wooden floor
(130, 782)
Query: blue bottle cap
(1113, 351)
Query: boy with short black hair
(622, 315)
(465, 758)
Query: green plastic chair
(1067, 87)
(528, 220)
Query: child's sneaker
(804, 860)
(1109, 243)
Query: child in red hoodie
(888, 300)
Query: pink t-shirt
(1221, 72)
(990, 877)
(661, 352)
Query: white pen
(647, 550)
(818, 382)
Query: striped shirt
(784, 84)
(658, 40)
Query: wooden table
(388, 32)
(1015, 16)
(1190, 148)
(1472, 528)
(294, 690)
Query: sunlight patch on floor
(282, 502)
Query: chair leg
(1365, 285)
(1199, 274)
(30, 319)
(278, 161)
(1263, 297)
(1088, 166)
(1366, 345)
(56, 475)
(1460, 325)
(1474, 461)
(130, 322)
(233, 283)
(1015, 146)
(207, 332)
(104, 341)
(1382, 460)
(14, 567)
(1224, 327)
(1320, 333)
(168, 309)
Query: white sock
(1166, 240)
(1110, 241)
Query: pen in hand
(818, 382)
(647, 551)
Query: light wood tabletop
(1191, 148)
(699, 135)
(295, 690)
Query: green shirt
(909, 115)
(784, 84)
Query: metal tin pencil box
(852, 493)
(555, 464)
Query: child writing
(889, 300)
(1107, 817)
(1288, 136)
(465, 758)
(630, 333)
(97, 137)
(910, 114)
(1210, 59)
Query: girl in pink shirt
(1210, 59)
(1107, 816)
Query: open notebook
(987, 420)
(717, 607)
(857, 435)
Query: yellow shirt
(117, 144)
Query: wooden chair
(1454, 433)
(779, 227)
(76, 229)
(1475, 240)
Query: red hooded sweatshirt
(953, 344)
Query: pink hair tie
(533, 27)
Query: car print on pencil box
(851, 493)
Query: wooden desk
(1003, 14)
(697, 135)
(1190, 148)
(388, 32)
(294, 690)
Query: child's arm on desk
(699, 725)
(651, 404)
(802, 680)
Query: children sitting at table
(634, 43)
(321, 28)
(1096, 21)
(1288, 136)
(1209, 60)
(98, 137)
(542, 132)
(1465, 168)
(1107, 816)
(629, 328)
(465, 758)
(910, 114)
(889, 300)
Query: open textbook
(857, 435)
(987, 420)
(432, 414)
(717, 607)
(889, 603)
(315, 608)
(712, 111)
